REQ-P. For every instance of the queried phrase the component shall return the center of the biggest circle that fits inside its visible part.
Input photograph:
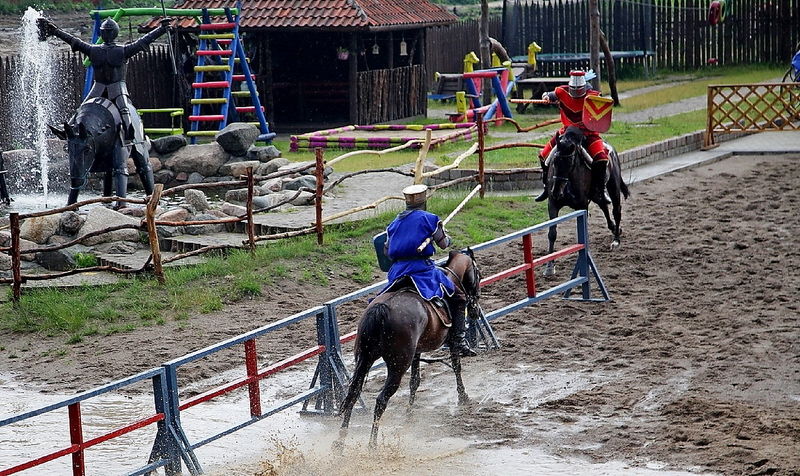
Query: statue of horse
(398, 326)
(94, 143)
(570, 181)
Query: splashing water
(33, 97)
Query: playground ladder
(219, 53)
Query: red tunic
(572, 115)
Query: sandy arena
(693, 367)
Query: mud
(694, 366)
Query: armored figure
(405, 234)
(570, 101)
(109, 61)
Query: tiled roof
(329, 14)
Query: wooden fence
(446, 46)
(752, 108)
(389, 94)
(755, 31)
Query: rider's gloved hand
(165, 21)
(46, 28)
(546, 97)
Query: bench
(447, 85)
(545, 58)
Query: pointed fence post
(251, 226)
(481, 146)
(320, 176)
(16, 265)
(152, 233)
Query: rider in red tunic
(570, 101)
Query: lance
(169, 39)
(450, 216)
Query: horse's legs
(455, 357)
(609, 223)
(74, 190)
(107, 182)
(356, 383)
(415, 380)
(393, 377)
(617, 209)
(552, 234)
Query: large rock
(164, 176)
(236, 138)
(306, 181)
(39, 229)
(238, 169)
(272, 166)
(233, 210)
(197, 200)
(204, 229)
(303, 198)
(194, 177)
(176, 214)
(268, 200)
(5, 262)
(58, 260)
(204, 159)
(70, 222)
(169, 144)
(102, 217)
(240, 194)
(263, 154)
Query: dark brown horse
(570, 183)
(399, 325)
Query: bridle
(475, 277)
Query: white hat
(416, 194)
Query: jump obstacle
(359, 137)
(172, 448)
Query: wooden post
(352, 80)
(254, 387)
(152, 233)
(320, 176)
(16, 257)
(481, 146)
(486, 51)
(76, 438)
(594, 42)
(251, 226)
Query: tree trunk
(612, 69)
(486, 54)
(594, 41)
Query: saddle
(436, 307)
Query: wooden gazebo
(321, 63)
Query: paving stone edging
(529, 179)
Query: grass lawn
(347, 254)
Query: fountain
(37, 88)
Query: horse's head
(463, 265)
(564, 160)
(91, 129)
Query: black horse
(570, 182)
(94, 142)
(399, 325)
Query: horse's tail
(371, 334)
(623, 187)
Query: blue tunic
(406, 233)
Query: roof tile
(329, 13)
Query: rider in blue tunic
(405, 234)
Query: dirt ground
(694, 364)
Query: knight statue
(109, 61)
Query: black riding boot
(599, 193)
(458, 333)
(543, 196)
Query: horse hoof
(549, 271)
(614, 245)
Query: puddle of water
(289, 444)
